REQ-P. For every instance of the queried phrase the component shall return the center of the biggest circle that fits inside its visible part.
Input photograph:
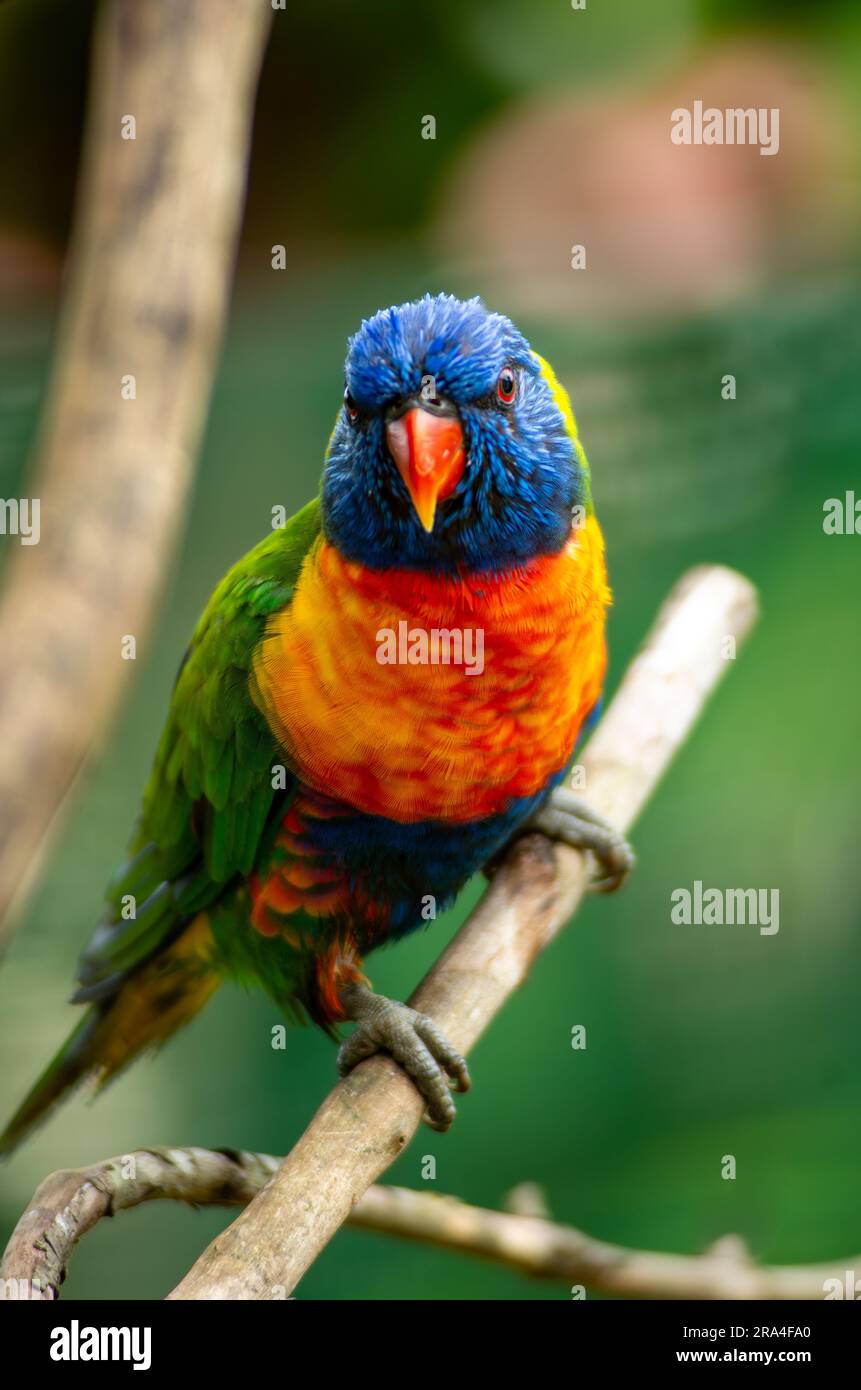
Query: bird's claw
(572, 820)
(414, 1040)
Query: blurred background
(552, 130)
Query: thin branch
(69, 1204)
(148, 281)
(369, 1117)
(545, 1250)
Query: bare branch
(71, 1202)
(68, 1204)
(148, 281)
(546, 1250)
(369, 1117)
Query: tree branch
(148, 281)
(369, 1117)
(545, 1250)
(69, 1204)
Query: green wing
(210, 792)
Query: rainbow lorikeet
(376, 699)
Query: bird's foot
(413, 1039)
(569, 818)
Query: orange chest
(416, 698)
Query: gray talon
(567, 817)
(414, 1040)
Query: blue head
(450, 451)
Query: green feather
(206, 805)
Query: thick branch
(368, 1118)
(68, 1204)
(148, 280)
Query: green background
(702, 1041)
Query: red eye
(506, 386)
(350, 406)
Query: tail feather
(145, 1010)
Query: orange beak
(428, 452)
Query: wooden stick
(69, 1204)
(543, 1249)
(148, 282)
(369, 1117)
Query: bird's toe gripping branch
(572, 820)
(413, 1039)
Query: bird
(376, 700)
